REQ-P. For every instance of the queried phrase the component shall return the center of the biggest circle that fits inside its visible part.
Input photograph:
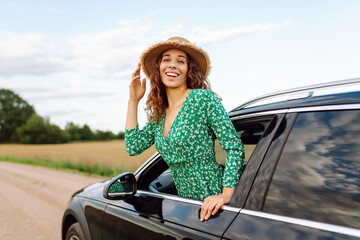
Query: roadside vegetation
(110, 154)
(19, 123)
(26, 137)
(90, 169)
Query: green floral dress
(188, 148)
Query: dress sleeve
(137, 141)
(229, 140)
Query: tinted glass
(318, 177)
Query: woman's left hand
(212, 204)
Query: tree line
(19, 123)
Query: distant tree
(38, 130)
(14, 111)
(86, 133)
(104, 135)
(120, 135)
(74, 131)
(78, 133)
(57, 135)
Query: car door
(159, 215)
(308, 184)
(150, 215)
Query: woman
(183, 117)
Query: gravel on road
(33, 200)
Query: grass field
(111, 153)
(99, 158)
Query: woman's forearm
(228, 193)
(131, 117)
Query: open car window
(250, 131)
(158, 177)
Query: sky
(73, 60)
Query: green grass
(91, 169)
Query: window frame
(246, 180)
(256, 198)
(303, 111)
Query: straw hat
(199, 55)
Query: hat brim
(148, 57)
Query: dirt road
(33, 199)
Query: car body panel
(152, 215)
(333, 99)
(94, 212)
(257, 225)
(75, 213)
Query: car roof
(331, 93)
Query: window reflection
(317, 177)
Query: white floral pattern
(188, 148)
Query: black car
(301, 179)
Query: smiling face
(173, 68)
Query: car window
(317, 176)
(221, 153)
(250, 132)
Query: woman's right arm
(137, 91)
(137, 141)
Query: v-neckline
(177, 116)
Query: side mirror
(121, 187)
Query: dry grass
(110, 153)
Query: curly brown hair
(157, 100)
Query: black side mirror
(121, 187)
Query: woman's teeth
(172, 74)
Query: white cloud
(113, 53)
(66, 94)
(50, 91)
(26, 87)
(286, 23)
(173, 31)
(131, 22)
(205, 36)
(110, 54)
(60, 112)
(54, 10)
(28, 54)
(128, 22)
